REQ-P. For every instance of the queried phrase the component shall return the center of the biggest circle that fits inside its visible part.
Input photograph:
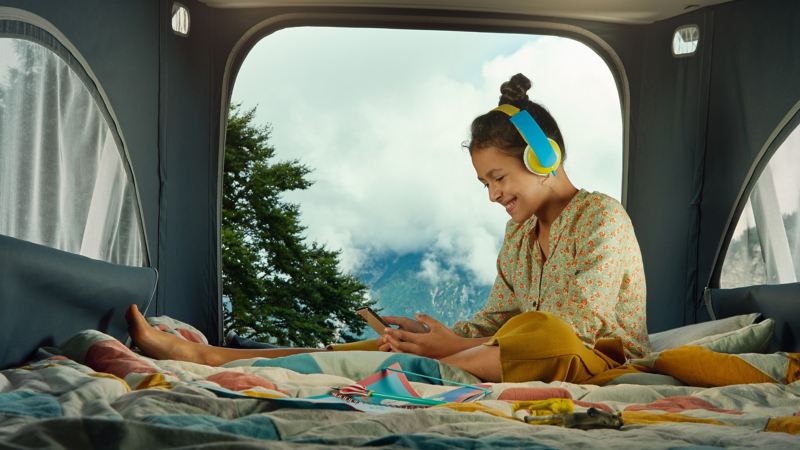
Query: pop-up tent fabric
(695, 126)
(46, 295)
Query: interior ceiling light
(180, 19)
(685, 40)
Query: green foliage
(281, 289)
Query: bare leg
(160, 345)
(482, 361)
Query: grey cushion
(684, 335)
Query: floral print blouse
(593, 278)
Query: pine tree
(281, 289)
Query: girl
(569, 299)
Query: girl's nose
(494, 194)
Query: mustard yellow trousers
(538, 346)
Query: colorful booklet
(390, 387)
(381, 392)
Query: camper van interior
(113, 118)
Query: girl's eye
(500, 178)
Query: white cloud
(433, 272)
(380, 116)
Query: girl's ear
(550, 178)
(543, 180)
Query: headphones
(542, 156)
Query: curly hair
(493, 129)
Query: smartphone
(373, 319)
(378, 324)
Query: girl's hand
(406, 324)
(439, 342)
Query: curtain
(63, 180)
(765, 248)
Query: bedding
(684, 335)
(92, 391)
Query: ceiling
(617, 11)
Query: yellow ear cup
(532, 162)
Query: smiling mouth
(510, 205)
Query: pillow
(683, 335)
(181, 329)
(754, 338)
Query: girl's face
(509, 183)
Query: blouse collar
(530, 224)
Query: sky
(380, 117)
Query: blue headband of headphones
(543, 147)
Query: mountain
(402, 287)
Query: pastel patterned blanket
(98, 393)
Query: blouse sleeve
(501, 305)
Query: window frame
(402, 19)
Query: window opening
(64, 181)
(378, 118)
(765, 247)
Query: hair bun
(515, 90)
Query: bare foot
(158, 344)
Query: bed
(83, 387)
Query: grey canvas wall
(696, 125)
